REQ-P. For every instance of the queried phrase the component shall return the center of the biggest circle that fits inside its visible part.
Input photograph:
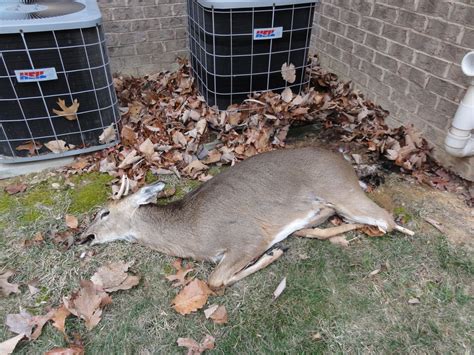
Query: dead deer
(238, 215)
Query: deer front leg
(261, 263)
(232, 267)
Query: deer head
(115, 222)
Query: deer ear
(148, 193)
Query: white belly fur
(297, 224)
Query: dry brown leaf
(30, 146)
(129, 136)
(192, 297)
(87, 303)
(72, 350)
(179, 139)
(194, 168)
(68, 113)
(280, 288)
(9, 345)
(71, 221)
(180, 276)
(108, 135)
(287, 95)
(79, 164)
(339, 240)
(147, 148)
(106, 166)
(217, 313)
(5, 287)
(130, 158)
(58, 146)
(39, 322)
(201, 126)
(372, 231)
(59, 318)
(212, 157)
(194, 348)
(135, 110)
(20, 323)
(15, 188)
(23, 323)
(288, 72)
(113, 277)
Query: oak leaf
(192, 297)
(59, 318)
(32, 147)
(113, 277)
(87, 303)
(194, 168)
(180, 276)
(195, 348)
(20, 323)
(6, 287)
(68, 112)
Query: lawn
(331, 303)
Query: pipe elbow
(459, 145)
(459, 141)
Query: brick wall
(144, 36)
(405, 55)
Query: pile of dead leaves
(87, 303)
(167, 128)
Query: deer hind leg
(233, 267)
(327, 233)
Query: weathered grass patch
(329, 290)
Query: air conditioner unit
(239, 46)
(52, 53)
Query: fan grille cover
(37, 9)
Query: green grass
(329, 290)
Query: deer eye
(104, 214)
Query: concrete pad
(17, 169)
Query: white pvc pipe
(459, 142)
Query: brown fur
(238, 213)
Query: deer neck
(163, 228)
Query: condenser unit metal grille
(78, 61)
(237, 51)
